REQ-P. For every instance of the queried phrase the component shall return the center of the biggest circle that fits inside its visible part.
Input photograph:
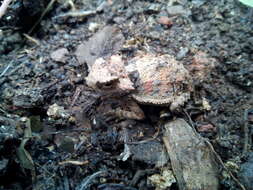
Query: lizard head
(109, 75)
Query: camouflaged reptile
(157, 80)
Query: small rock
(93, 26)
(154, 34)
(198, 3)
(246, 173)
(104, 5)
(66, 37)
(206, 105)
(224, 27)
(177, 10)
(164, 20)
(206, 128)
(163, 181)
(56, 111)
(218, 16)
(119, 20)
(154, 8)
(60, 55)
(182, 53)
(129, 13)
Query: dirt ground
(57, 133)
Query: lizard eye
(107, 85)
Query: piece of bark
(193, 162)
(104, 43)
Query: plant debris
(90, 90)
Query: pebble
(60, 55)
(56, 111)
(164, 20)
(182, 53)
(154, 34)
(164, 180)
(119, 20)
(154, 8)
(93, 26)
(177, 10)
(104, 5)
(206, 128)
(198, 3)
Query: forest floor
(55, 131)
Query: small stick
(32, 39)
(76, 96)
(4, 7)
(81, 13)
(246, 133)
(6, 69)
(214, 152)
(223, 165)
(88, 180)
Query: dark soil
(31, 82)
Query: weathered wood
(192, 161)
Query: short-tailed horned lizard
(109, 75)
(161, 80)
(149, 79)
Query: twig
(214, 152)
(80, 13)
(32, 39)
(74, 162)
(6, 69)
(4, 7)
(223, 165)
(1, 110)
(76, 96)
(190, 119)
(246, 133)
(51, 175)
(88, 180)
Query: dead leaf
(104, 43)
